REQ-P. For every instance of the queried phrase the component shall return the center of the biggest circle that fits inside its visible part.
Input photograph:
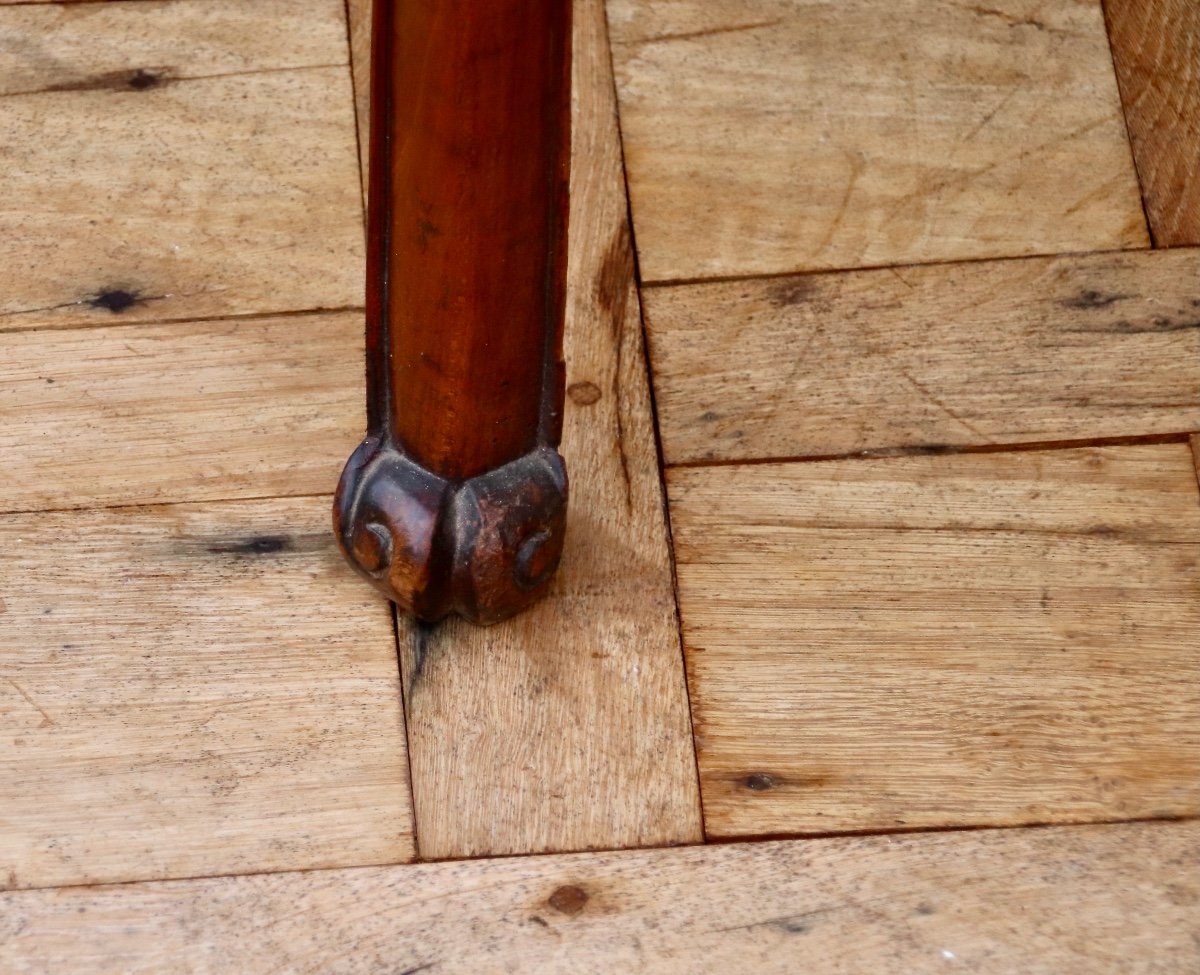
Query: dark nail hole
(142, 79)
(115, 300)
(759, 782)
(1092, 299)
(261, 545)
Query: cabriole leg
(456, 500)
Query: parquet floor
(876, 645)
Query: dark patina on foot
(485, 547)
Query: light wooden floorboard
(990, 639)
(1065, 901)
(767, 136)
(94, 46)
(193, 690)
(358, 13)
(197, 159)
(183, 412)
(1156, 50)
(992, 352)
(199, 410)
(567, 727)
(205, 688)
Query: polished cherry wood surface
(457, 499)
(468, 222)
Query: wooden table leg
(456, 500)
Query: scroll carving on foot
(456, 500)
(483, 548)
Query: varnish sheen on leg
(456, 500)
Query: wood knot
(568, 899)
(792, 291)
(759, 782)
(584, 393)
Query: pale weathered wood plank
(197, 160)
(943, 641)
(785, 135)
(1156, 50)
(358, 13)
(567, 727)
(183, 412)
(1067, 901)
(1022, 351)
(103, 46)
(192, 690)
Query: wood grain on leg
(455, 502)
(176, 160)
(193, 690)
(1156, 50)
(943, 641)
(566, 728)
(924, 358)
(767, 136)
(1072, 901)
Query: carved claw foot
(484, 548)
(456, 501)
